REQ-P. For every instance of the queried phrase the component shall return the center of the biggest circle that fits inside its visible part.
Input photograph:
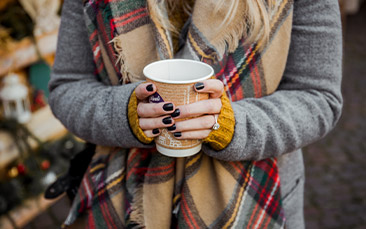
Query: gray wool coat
(305, 107)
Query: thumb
(144, 90)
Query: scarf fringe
(137, 210)
(159, 17)
(230, 37)
(127, 76)
(157, 14)
(226, 40)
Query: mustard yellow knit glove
(219, 139)
(133, 120)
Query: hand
(152, 116)
(203, 112)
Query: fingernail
(150, 87)
(167, 120)
(168, 107)
(176, 113)
(171, 128)
(199, 86)
(155, 131)
(177, 134)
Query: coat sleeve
(308, 102)
(91, 110)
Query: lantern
(15, 99)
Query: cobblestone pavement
(335, 190)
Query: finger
(198, 134)
(152, 133)
(144, 90)
(152, 110)
(200, 123)
(155, 123)
(212, 86)
(208, 106)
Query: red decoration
(45, 165)
(39, 100)
(21, 169)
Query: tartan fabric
(106, 195)
(134, 188)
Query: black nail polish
(150, 87)
(199, 86)
(167, 120)
(171, 128)
(168, 107)
(155, 131)
(177, 134)
(176, 113)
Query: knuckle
(156, 109)
(139, 91)
(148, 123)
(188, 110)
(211, 105)
(142, 123)
(186, 135)
(217, 105)
(221, 86)
(184, 111)
(140, 109)
(158, 122)
(206, 133)
(207, 121)
(147, 133)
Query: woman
(279, 64)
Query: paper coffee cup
(175, 79)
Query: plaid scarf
(135, 188)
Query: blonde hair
(255, 26)
(256, 18)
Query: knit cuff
(133, 120)
(219, 139)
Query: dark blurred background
(335, 190)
